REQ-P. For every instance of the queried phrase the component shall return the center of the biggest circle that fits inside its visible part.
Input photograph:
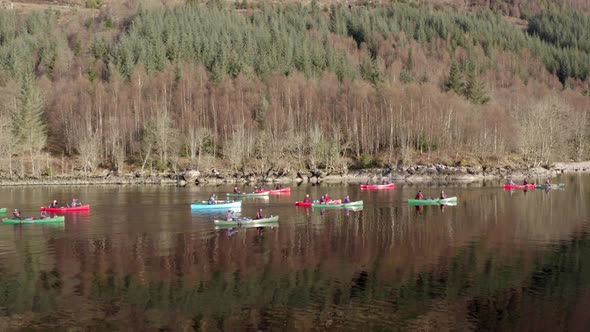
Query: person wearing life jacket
(16, 214)
(45, 215)
(259, 214)
(525, 182)
(76, 202)
(236, 190)
(512, 182)
(547, 183)
(54, 204)
(346, 199)
(278, 187)
(307, 199)
(230, 215)
(442, 195)
(212, 200)
(322, 200)
(419, 195)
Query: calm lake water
(141, 260)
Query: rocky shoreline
(436, 173)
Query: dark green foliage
(371, 71)
(225, 41)
(28, 124)
(455, 80)
(287, 39)
(461, 29)
(567, 29)
(260, 113)
(94, 4)
(475, 90)
(28, 43)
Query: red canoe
(66, 209)
(275, 191)
(519, 186)
(303, 204)
(377, 186)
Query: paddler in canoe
(230, 215)
(54, 204)
(278, 187)
(16, 214)
(548, 183)
(212, 200)
(442, 195)
(307, 199)
(76, 202)
(45, 215)
(512, 183)
(346, 199)
(237, 191)
(259, 214)
(525, 182)
(419, 195)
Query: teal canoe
(263, 194)
(339, 206)
(450, 200)
(2, 210)
(247, 221)
(34, 221)
(552, 186)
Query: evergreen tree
(28, 125)
(475, 90)
(455, 80)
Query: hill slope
(328, 86)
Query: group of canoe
(528, 186)
(48, 213)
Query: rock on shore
(411, 174)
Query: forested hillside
(249, 86)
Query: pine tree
(475, 90)
(29, 128)
(455, 80)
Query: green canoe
(34, 221)
(551, 186)
(247, 221)
(338, 206)
(2, 210)
(252, 225)
(264, 194)
(450, 200)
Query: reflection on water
(141, 260)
